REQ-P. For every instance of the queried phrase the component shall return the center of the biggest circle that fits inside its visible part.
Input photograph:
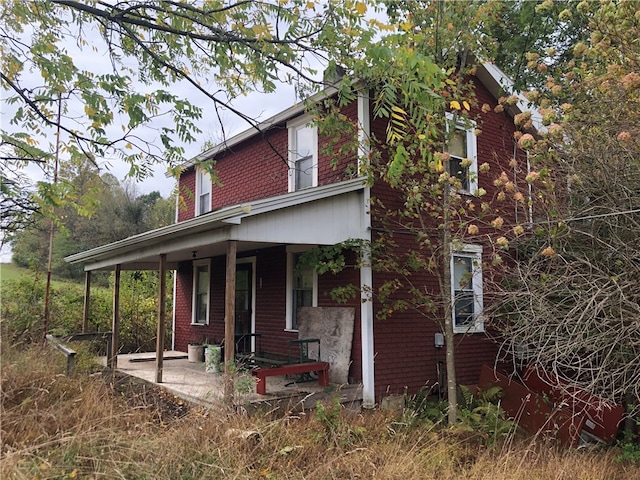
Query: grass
(9, 271)
(82, 427)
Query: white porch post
(366, 332)
(366, 275)
(115, 323)
(162, 316)
(87, 299)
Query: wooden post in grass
(229, 319)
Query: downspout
(175, 280)
(366, 274)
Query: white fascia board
(195, 224)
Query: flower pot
(213, 358)
(195, 353)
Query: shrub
(23, 309)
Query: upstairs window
(466, 289)
(203, 191)
(462, 148)
(303, 155)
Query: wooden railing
(60, 345)
(65, 350)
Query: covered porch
(324, 215)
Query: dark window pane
(464, 307)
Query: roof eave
(232, 215)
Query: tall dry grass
(80, 427)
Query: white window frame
(194, 295)
(292, 250)
(203, 187)
(293, 126)
(469, 127)
(474, 252)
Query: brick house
(278, 194)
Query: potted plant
(195, 351)
(213, 356)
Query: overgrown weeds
(102, 426)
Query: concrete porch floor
(190, 381)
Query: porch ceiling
(322, 215)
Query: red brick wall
(406, 358)
(183, 298)
(258, 169)
(186, 204)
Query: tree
(525, 31)
(115, 73)
(115, 211)
(571, 306)
(221, 50)
(418, 75)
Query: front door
(244, 302)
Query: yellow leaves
(262, 31)
(406, 26)
(384, 27)
(361, 8)
(89, 111)
(455, 105)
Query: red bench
(322, 368)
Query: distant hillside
(9, 271)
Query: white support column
(115, 322)
(173, 311)
(366, 332)
(364, 130)
(366, 274)
(162, 315)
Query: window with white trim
(201, 282)
(203, 191)
(302, 286)
(462, 147)
(303, 154)
(466, 289)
